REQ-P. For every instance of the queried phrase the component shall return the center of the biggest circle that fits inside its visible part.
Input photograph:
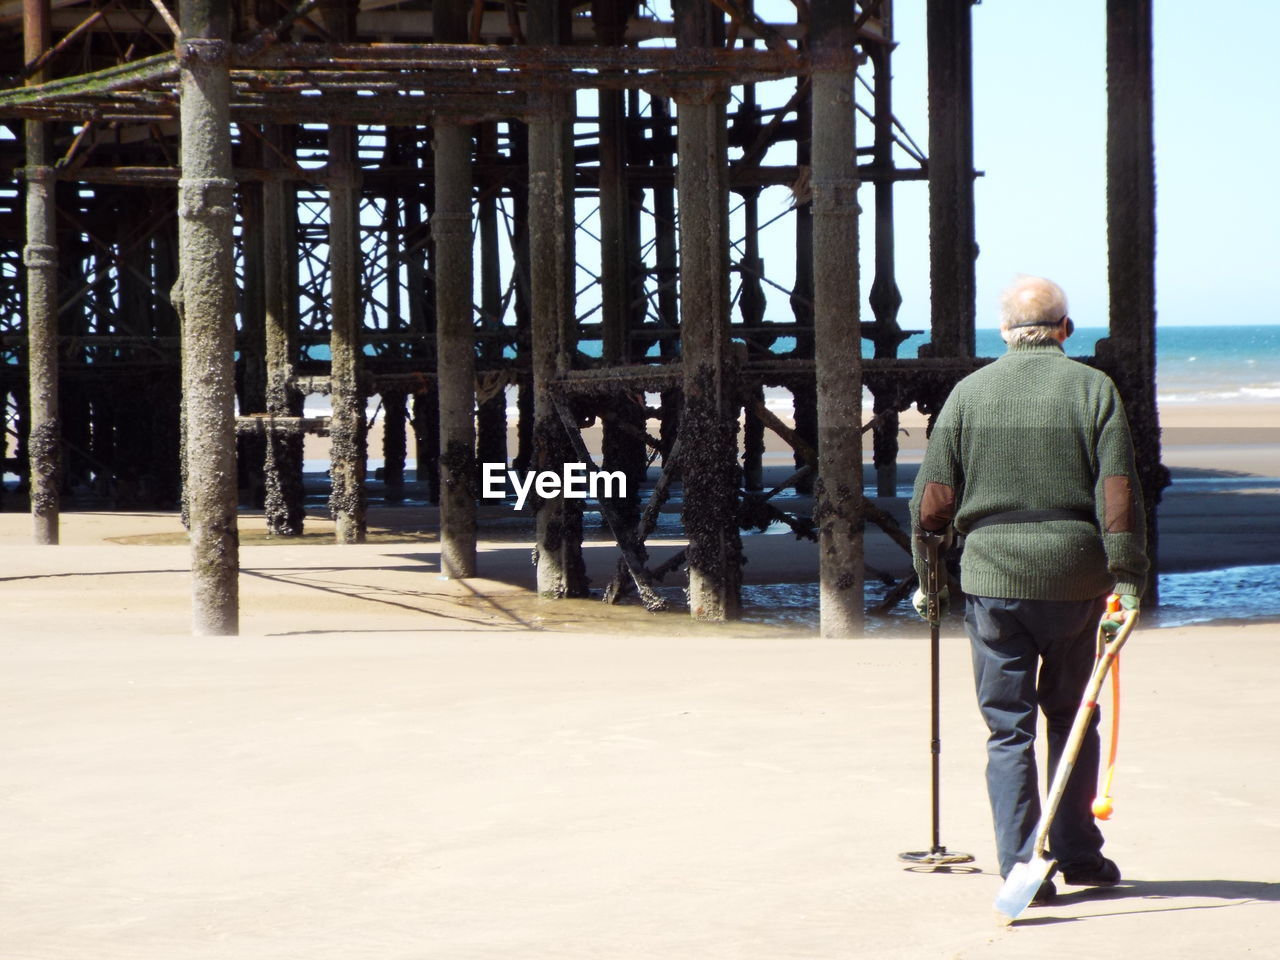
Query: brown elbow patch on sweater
(937, 506)
(1117, 503)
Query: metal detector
(932, 544)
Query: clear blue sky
(1040, 139)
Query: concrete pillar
(1129, 354)
(205, 212)
(455, 325)
(41, 259)
(952, 244)
(283, 474)
(551, 222)
(837, 338)
(709, 466)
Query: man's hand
(1113, 619)
(921, 603)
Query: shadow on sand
(1161, 896)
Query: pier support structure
(348, 500)
(953, 247)
(710, 416)
(206, 194)
(455, 324)
(561, 572)
(838, 497)
(40, 257)
(285, 513)
(1129, 352)
(619, 285)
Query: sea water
(1193, 364)
(1213, 363)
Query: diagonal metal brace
(632, 551)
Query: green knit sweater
(1036, 430)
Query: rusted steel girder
(701, 62)
(468, 82)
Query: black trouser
(1010, 639)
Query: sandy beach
(386, 764)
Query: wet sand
(390, 765)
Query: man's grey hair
(1031, 300)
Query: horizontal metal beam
(262, 424)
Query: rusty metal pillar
(803, 394)
(953, 246)
(624, 421)
(283, 472)
(518, 134)
(395, 419)
(1129, 353)
(205, 205)
(752, 303)
(40, 256)
(709, 466)
(251, 379)
(491, 413)
(666, 264)
(395, 406)
(421, 302)
(455, 323)
(837, 338)
(551, 222)
(885, 298)
(348, 498)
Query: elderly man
(1031, 460)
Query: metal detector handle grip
(932, 544)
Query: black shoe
(1097, 871)
(1044, 895)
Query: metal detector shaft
(933, 589)
(932, 544)
(935, 735)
